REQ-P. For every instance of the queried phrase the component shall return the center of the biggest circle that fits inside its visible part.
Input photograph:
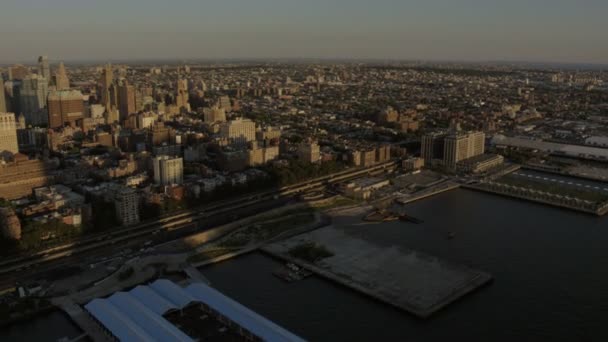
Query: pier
(406, 279)
(437, 189)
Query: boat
(408, 218)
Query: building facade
(168, 170)
(127, 206)
(8, 133)
(65, 107)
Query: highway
(182, 220)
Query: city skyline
(466, 30)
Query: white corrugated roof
(137, 315)
(116, 322)
(152, 300)
(172, 292)
(256, 324)
(153, 323)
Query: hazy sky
(478, 30)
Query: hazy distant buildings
(65, 107)
(62, 82)
(126, 100)
(33, 99)
(168, 170)
(3, 104)
(8, 133)
(43, 68)
(18, 72)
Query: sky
(445, 30)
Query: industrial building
(164, 311)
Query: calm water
(550, 268)
(48, 327)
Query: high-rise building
(309, 152)
(126, 100)
(32, 99)
(8, 133)
(65, 107)
(168, 170)
(238, 131)
(432, 147)
(127, 206)
(107, 81)
(43, 68)
(62, 82)
(452, 148)
(182, 98)
(3, 105)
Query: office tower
(127, 206)
(65, 107)
(238, 131)
(126, 100)
(107, 81)
(309, 151)
(62, 82)
(18, 72)
(461, 146)
(3, 105)
(32, 99)
(168, 170)
(432, 147)
(43, 68)
(182, 98)
(8, 133)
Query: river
(549, 267)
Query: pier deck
(417, 283)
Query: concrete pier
(411, 281)
(82, 319)
(437, 189)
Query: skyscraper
(65, 107)
(107, 79)
(32, 99)
(126, 100)
(8, 133)
(43, 68)
(62, 82)
(182, 95)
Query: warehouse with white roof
(145, 313)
